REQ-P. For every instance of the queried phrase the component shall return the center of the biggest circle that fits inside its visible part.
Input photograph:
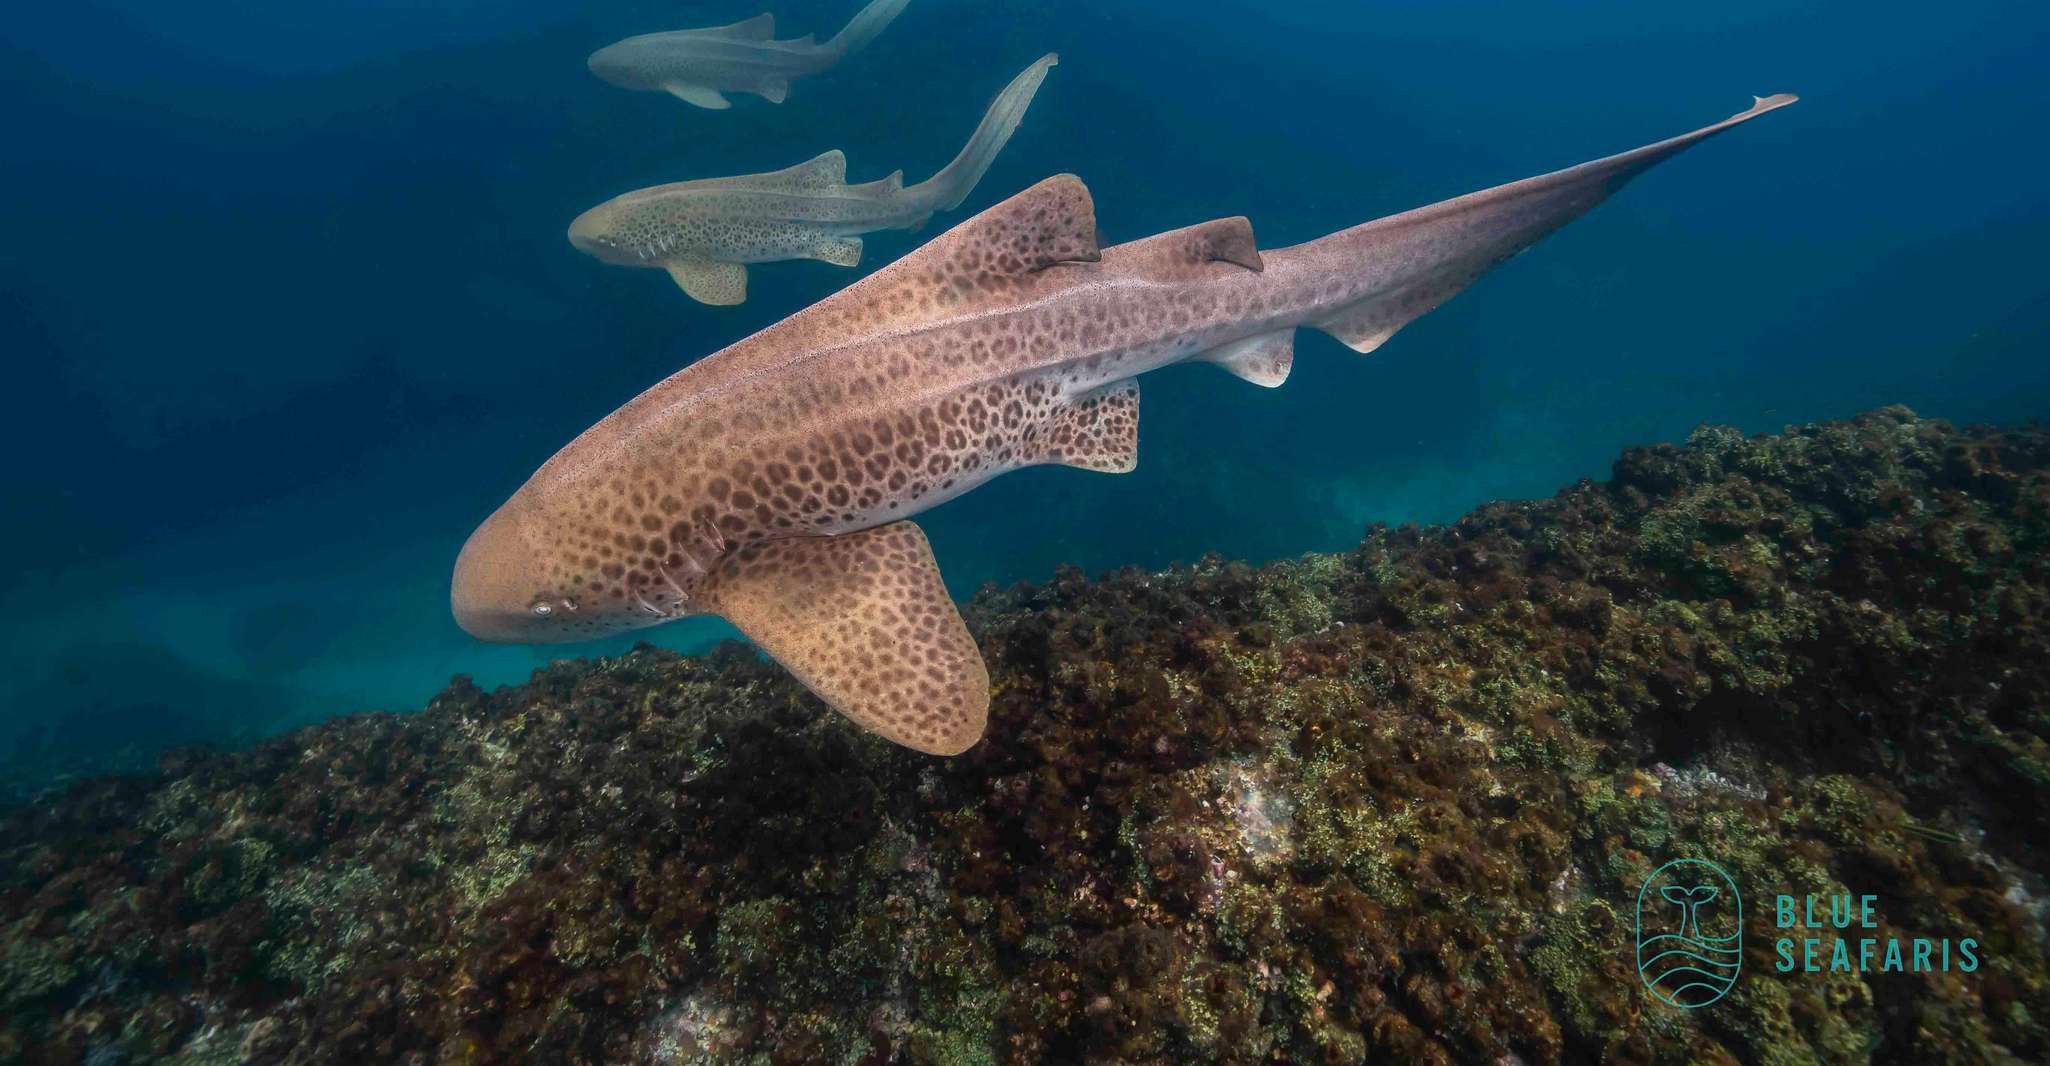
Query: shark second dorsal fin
(888, 183)
(863, 620)
(1187, 252)
(762, 27)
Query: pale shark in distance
(701, 66)
(706, 232)
(770, 483)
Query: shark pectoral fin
(774, 92)
(839, 251)
(1264, 360)
(1188, 252)
(863, 620)
(699, 96)
(1098, 430)
(710, 282)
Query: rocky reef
(1394, 804)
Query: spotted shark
(773, 483)
(706, 232)
(701, 66)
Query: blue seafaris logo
(1690, 933)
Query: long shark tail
(864, 26)
(1396, 269)
(957, 179)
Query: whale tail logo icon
(1690, 933)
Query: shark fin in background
(708, 282)
(863, 620)
(762, 27)
(699, 96)
(1098, 430)
(1264, 359)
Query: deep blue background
(286, 305)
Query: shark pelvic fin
(1098, 430)
(762, 27)
(710, 282)
(863, 620)
(1264, 360)
(1188, 252)
(774, 92)
(699, 96)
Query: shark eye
(542, 610)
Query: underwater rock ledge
(1391, 804)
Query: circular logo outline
(1691, 946)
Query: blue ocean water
(287, 305)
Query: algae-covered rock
(1395, 804)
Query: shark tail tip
(1762, 104)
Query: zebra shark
(772, 483)
(699, 67)
(705, 232)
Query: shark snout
(492, 596)
(609, 64)
(584, 233)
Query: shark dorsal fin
(998, 250)
(1051, 222)
(996, 258)
(823, 171)
(759, 28)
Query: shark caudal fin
(957, 179)
(864, 26)
(1410, 263)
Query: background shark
(769, 483)
(700, 66)
(704, 232)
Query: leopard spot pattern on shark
(769, 483)
(706, 232)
